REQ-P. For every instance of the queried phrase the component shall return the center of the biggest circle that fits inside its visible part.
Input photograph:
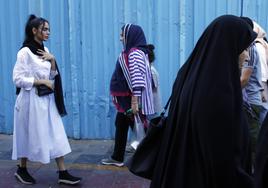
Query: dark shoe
(65, 177)
(111, 161)
(23, 176)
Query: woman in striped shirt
(131, 87)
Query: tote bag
(142, 162)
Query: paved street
(84, 161)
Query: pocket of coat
(18, 101)
(17, 107)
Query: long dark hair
(151, 54)
(32, 22)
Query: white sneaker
(111, 161)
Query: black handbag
(42, 90)
(143, 161)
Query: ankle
(62, 171)
(22, 167)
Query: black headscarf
(248, 20)
(59, 100)
(206, 137)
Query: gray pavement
(83, 161)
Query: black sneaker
(65, 177)
(23, 176)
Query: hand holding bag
(143, 161)
(138, 131)
(42, 90)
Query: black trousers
(122, 124)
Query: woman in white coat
(39, 133)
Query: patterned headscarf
(260, 37)
(133, 37)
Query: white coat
(39, 133)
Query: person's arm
(262, 59)
(264, 69)
(243, 58)
(247, 66)
(136, 70)
(245, 75)
(48, 83)
(22, 76)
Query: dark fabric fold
(261, 164)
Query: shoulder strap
(165, 108)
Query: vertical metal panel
(85, 41)
(257, 10)
(75, 64)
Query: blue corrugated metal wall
(85, 41)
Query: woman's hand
(134, 105)
(263, 96)
(48, 83)
(45, 55)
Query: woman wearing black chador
(206, 137)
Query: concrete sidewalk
(84, 161)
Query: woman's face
(121, 36)
(42, 33)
